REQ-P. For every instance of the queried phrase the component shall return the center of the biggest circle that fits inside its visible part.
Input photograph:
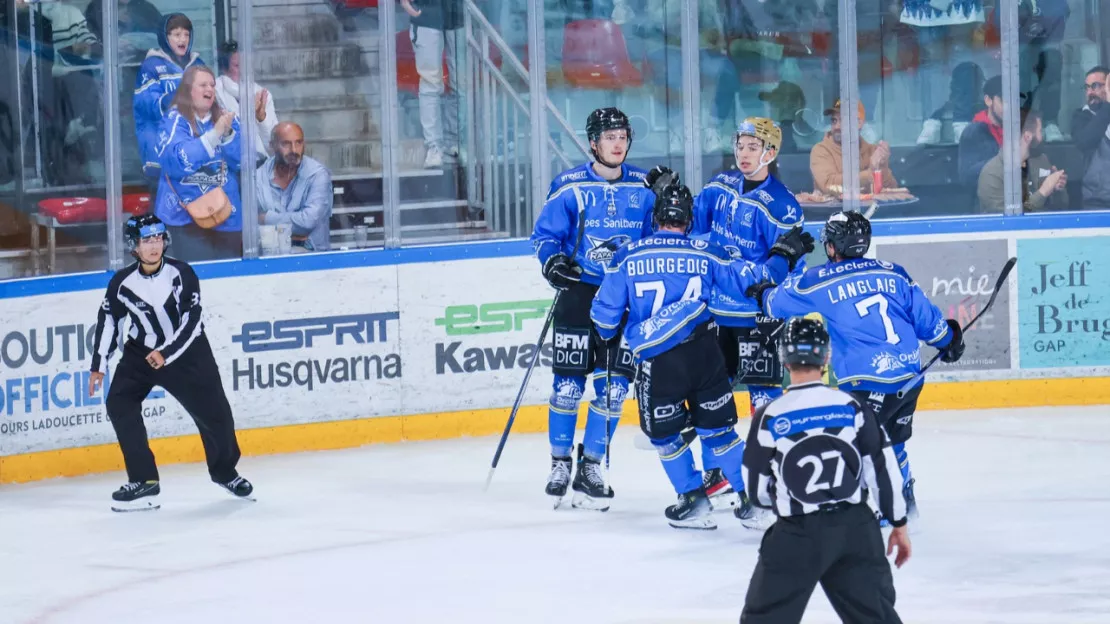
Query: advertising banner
(291, 348)
(469, 332)
(45, 352)
(959, 278)
(1064, 302)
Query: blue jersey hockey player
(876, 314)
(660, 289)
(590, 212)
(747, 212)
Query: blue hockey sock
(722, 448)
(903, 461)
(678, 463)
(595, 441)
(562, 413)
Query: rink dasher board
(424, 341)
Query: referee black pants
(840, 550)
(194, 380)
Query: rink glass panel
(325, 71)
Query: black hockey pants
(194, 380)
(842, 550)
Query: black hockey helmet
(804, 342)
(674, 206)
(604, 119)
(144, 226)
(849, 233)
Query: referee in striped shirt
(812, 456)
(165, 346)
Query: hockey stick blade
(1005, 273)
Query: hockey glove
(755, 291)
(793, 245)
(561, 272)
(955, 349)
(659, 178)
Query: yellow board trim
(324, 436)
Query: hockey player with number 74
(664, 284)
(876, 314)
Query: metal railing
(501, 129)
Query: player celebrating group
(590, 212)
(753, 216)
(664, 284)
(876, 314)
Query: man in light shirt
(295, 189)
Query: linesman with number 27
(811, 457)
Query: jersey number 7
(659, 290)
(864, 308)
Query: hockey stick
(1006, 268)
(539, 347)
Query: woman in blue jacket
(199, 150)
(156, 84)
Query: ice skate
(752, 517)
(590, 491)
(691, 512)
(239, 488)
(559, 479)
(136, 496)
(719, 490)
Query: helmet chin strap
(761, 163)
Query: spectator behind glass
(1090, 126)
(139, 23)
(436, 29)
(982, 139)
(198, 150)
(227, 93)
(826, 159)
(296, 189)
(1043, 187)
(965, 100)
(156, 84)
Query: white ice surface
(1014, 509)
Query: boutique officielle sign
(1064, 302)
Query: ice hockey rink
(1013, 509)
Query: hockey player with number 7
(663, 285)
(876, 314)
(590, 212)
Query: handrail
(508, 54)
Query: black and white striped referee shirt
(815, 447)
(164, 308)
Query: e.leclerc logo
(324, 335)
(477, 336)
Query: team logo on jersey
(699, 244)
(791, 214)
(734, 252)
(602, 250)
(764, 196)
(781, 425)
(651, 326)
(886, 265)
(634, 200)
(760, 398)
(746, 220)
(885, 362)
(611, 197)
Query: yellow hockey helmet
(763, 129)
